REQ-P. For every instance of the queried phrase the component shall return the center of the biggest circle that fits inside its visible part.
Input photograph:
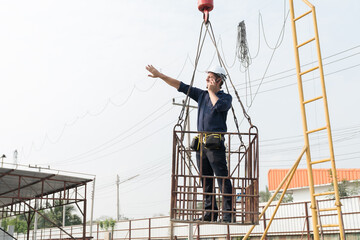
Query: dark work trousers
(214, 161)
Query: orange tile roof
(300, 179)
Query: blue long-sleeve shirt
(210, 118)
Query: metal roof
(300, 179)
(21, 185)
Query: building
(299, 186)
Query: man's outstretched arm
(156, 74)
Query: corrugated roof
(300, 179)
(25, 185)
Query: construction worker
(213, 106)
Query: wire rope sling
(212, 183)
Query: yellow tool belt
(210, 141)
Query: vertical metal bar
(97, 231)
(228, 233)
(84, 211)
(264, 221)
(229, 154)
(129, 229)
(92, 206)
(28, 222)
(171, 230)
(149, 228)
(307, 220)
(198, 230)
(173, 195)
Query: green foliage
(54, 214)
(19, 222)
(108, 223)
(346, 188)
(266, 195)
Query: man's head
(217, 74)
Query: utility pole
(15, 157)
(190, 233)
(117, 198)
(64, 211)
(118, 193)
(92, 207)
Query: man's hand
(154, 72)
(213, 86)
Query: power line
(307, 80)
(307, 64)
(120, 137)
(126, 146)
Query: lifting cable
(246, 115)
(187, 99)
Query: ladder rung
(305, 42)
(324, 193)
(328, 225)
(311, 100)
(320, 161)
(310, 70)
(316, 130)
(328, 209)
(301, 16)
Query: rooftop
(300, 179)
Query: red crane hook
(205, 6)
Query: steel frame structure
(187, 192)
(27, 193)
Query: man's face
(212, 78)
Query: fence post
(198, 230)
(149, 228)
(97, 231)
(129, 229)
(307, 220)
(228, 232)
(264, 216)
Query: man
(213, 106)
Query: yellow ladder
(331, 160)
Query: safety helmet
(218, 71)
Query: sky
(75, 94)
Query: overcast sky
(75, 93)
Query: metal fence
(291, 219)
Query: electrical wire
(120, 137)
(46, 138)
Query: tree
(108, 223)
(54, 214)
(346, 188)
(266, 195)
